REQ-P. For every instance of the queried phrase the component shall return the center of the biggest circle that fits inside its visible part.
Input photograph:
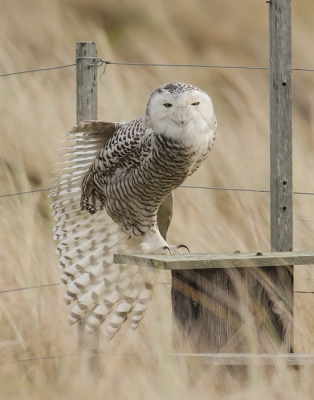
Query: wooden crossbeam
(210, 261)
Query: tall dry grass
(38, 108)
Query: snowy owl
(115, 194)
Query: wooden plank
(211, 261)
(86, 109)
(281, 204)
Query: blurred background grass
(38, 108)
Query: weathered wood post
(209, 305)
(281, 203)
(86, 109)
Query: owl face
(174, 112)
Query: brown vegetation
(36, 111)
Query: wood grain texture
(281, 126)
(212, 261)
(214, 296)
(86, 82)
(86, 109)
(281, 191)
(205, 308)
(231, 310)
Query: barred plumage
(116, 182)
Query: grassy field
(36, 111)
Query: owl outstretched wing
(88, 241)
(124, 150)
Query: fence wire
(99, 62)
(158, 283)
(37, 70)
(53, 284)
(180, 187)
(37, 358)
(216, 358)
(29, 287)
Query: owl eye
(196, 104)
(168, 105)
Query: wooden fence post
(281, 193)
(86, 109)
(210, 306)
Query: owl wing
(87, 242)
(121, 152)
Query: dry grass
(37, 109)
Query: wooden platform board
(208, 260)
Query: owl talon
(176, 249)
(167, 248)
(180, 246)
(164, 250)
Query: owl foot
(146, 248)
(154, 243)
(166, 250)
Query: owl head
(176, 108)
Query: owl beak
(184, 122)
(182, 117)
